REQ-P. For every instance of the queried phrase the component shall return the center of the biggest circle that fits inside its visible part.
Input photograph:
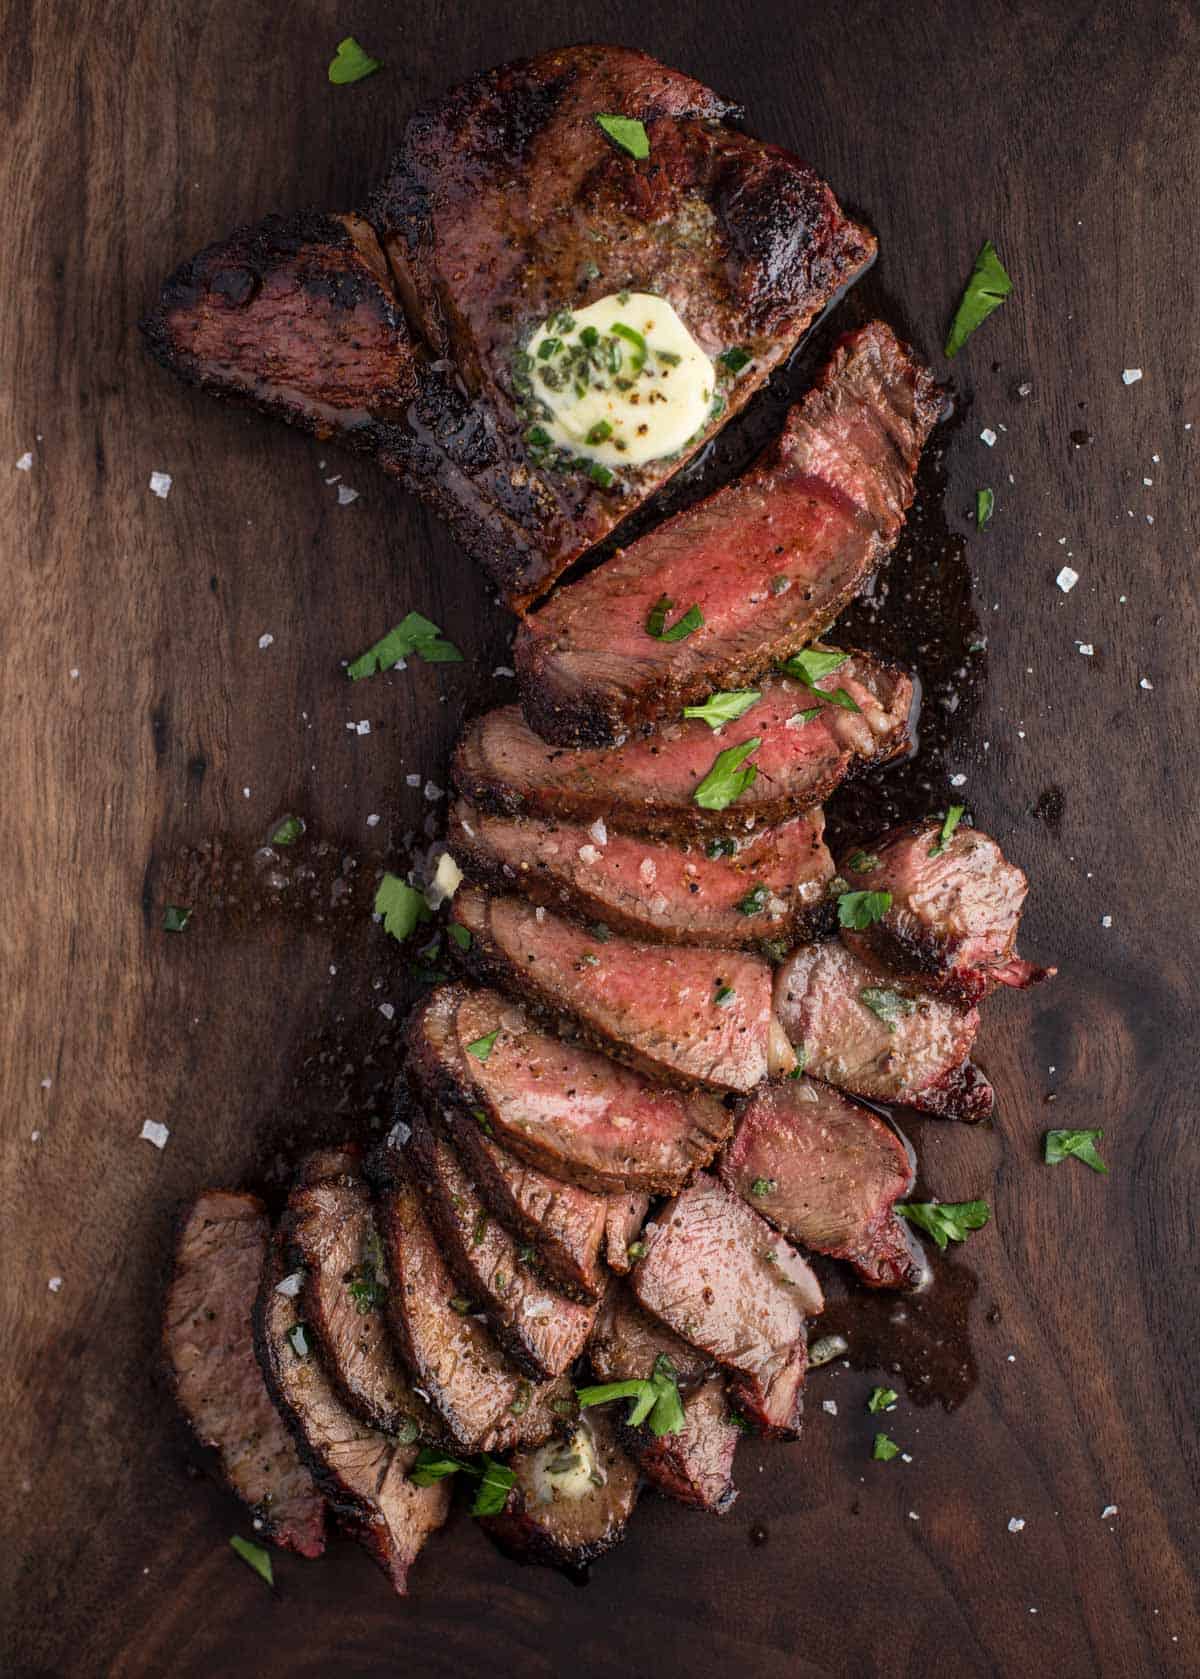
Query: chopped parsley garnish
(1060, 1145)
(721, 848)
(985, 291)
(727, 781)
(402, 906)
(656, 621)
(413, 634)
(953, 817)
(636, 1250)
(628, 133)
(655, 1402)
(633, 338)
(494, 1481)
(881, 1398)
(432, 1466)
(482, 1047)
(886, 1004)
(601, 933)
(985, 502)
(735, 358)
(754, 902)
(945, 1221)
(365, 1288)
(599, 432)
(288, 831)
(724, 996)
(719, 709)
(884, 1449)
(175, 918)
(763, 1186)
(801, 1053)
(862, 909)
(350, 63)
(813, 664)
(494, 1478)
(863, 862)
(460, 935)
(600, 474)
(257, 1556)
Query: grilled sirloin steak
(878, 1038)
(564, 1109)
(622, 1225)
(362, 1472)
(720, 1277)
(541, 1330)
(208, 1339)
(506, 204)
(827, 1172)
(647, 785)
(331, 1232)
(689, 1015)
(952, 925)
(571, 1499)
(769, 559)
(653, 889)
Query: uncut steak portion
(907, 1047)
(647, 785)
(668, 890)
(827, 1172)
(770, 559)
(720, 1277)
(952, 925)
(692, 1016)
(208, 1340)
(563, 1109)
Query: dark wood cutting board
(142, 716)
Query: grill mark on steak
(654, 1006)
(919, 1057)
(653, 889)
(362, 1473)
(770, 559)
(952, 926)
(827, 1172)
(541, 1330)
(208, 1341)
(719, 1276)
(560, 1108)
(647, 785)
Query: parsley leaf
(413, 634)
(886, 1004)
(881, 1398)
(288, 831)
(735, 358)
(655, 1402)
(985, 502)
(494, 1478)
(350, 63)
(945, 1221)
(482, 1047)
(175, 918)
(1060, 1145)
(719, 709)
(628, 133)
(953, 817)
(460, 934)
(862, 862)
(257, 1556)
(754, 902)
(402, 907)
(724, 996)
(884, 1450)
(814, 663)
(726, 780)
(862, 909)
(986, 290)
(494, 1482)
(763, 1186)
(691, 620)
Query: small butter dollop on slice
(566, 1470)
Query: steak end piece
(208, 1340)
(571, 1500)
(827, 1172)
(769, 560)
(952, 925)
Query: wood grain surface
(140, 717)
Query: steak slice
(362, 1472)
(330, 1228)
(541, 1330)
(571, 1499)
(655, 1006)
(770, 559)
(486, 1405)
(909, 1048)
(653, 889)
(827, 1172)
(208, 1339)
(563, 1109)
(626, 1215)
(952, 925)
(647, 785)
(718, 1275)
(626, 1341)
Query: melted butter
(564, 1471)
(606, 398)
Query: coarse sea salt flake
(1016, 1523)
(372, 820)
(830, 1405)
(54, 1284)
(588, 854)
(988, 436)
(1131, 375)
(25, 464)
(291, 1285)
(346, 495)
(598, 831)
(160, 484)
(504, 670)
(265, 640)
(1067, 579)
(1086, 648)
(1146, 683)
(958, 781)
(1106, 920)
(412, 780)
(1108, 1510)
(153, 1132)
(388, 1011)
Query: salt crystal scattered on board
(372, 821)
(1108, 1510)
(153, 1132)
(988, 436)
(1086, 648)
(388, 1011)
(54, 1284)
(1131, 375)
(265, 640)
(363, 728)
(1146, 684)
(346, 495)
(25, 464)
(160, 483)
(830, 1405)
(958, 781)
(1015, 1524)
(1067, 579)
(503, 670)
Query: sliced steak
(362, 1473)
(485, 1403)
(718, 1275)
(692, 1016)
(952, 925)
(559, 1107)
(827, 1172)
(330, 1228)
(571, 1499)
(907, 1047)
(770, 559)
(647, 785)
(541, 1330)
(653, 889)
(626, 1341)
(626, 1215)
(208, 1339)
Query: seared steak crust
(827, 1172)
(208, 1340)
(952, 925)
(563, 1109)
(691, 1016)
(362, 1473)
(770, 559)
(539, 1524)
(647, 785)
